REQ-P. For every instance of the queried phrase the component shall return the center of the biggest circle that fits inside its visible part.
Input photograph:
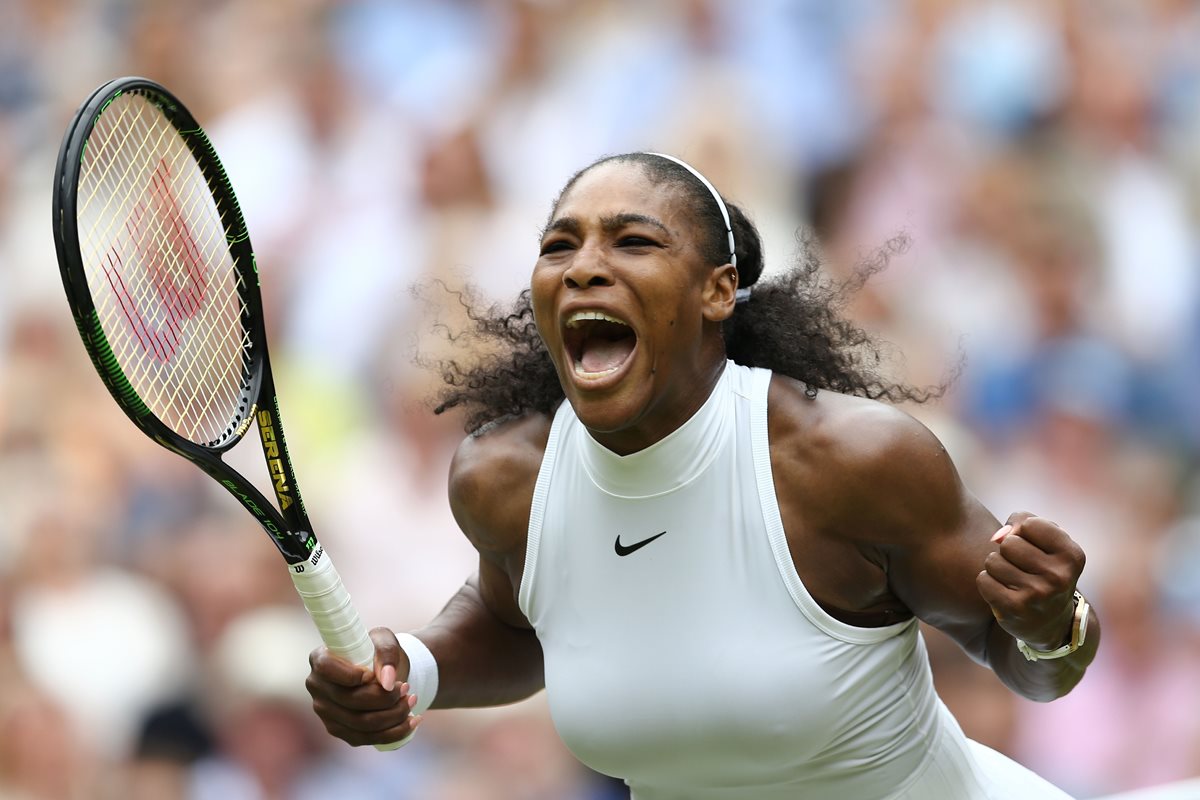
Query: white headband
(716, 196)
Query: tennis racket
(161, 278)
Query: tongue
(601, 355)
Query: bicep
(934, 534)
(490, 492)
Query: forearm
(1041, 681)
(482, 660)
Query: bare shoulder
(854, 431)
(873, 466)
(492, 477)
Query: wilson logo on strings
(169, 281)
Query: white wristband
(422, 671)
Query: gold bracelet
(1078, 635)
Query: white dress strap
(537, 512)
(760, 442)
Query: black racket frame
(288, 525)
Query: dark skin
(879, 524)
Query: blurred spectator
(104, 644)
(270, 745)
(41, 757)
(1132, 720)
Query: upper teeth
(579, 316)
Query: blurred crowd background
(1042, 157)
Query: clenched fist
(363, 706)
(1029, 582)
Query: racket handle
(328, 603)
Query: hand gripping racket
(161, 278)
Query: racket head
(158, 268)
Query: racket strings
(168, 228)
(165, 285)
(162, 340)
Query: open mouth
(599, 344)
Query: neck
(665, 415)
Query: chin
(610, 405)
(605, 417)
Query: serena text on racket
(266, 428)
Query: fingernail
(416, 721)
(412, 701)
(405, 688)
(1000, 534)
(387, 677)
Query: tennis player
(714, 554)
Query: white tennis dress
(684, 655)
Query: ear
(720, 293)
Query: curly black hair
(793, 322)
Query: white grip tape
(328, 603)
(321, 590)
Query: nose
(587, 268)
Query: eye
(556, 246)
(635, 241)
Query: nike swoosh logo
(624, 550)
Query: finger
(368, 697)
(1017, 550)
(387, 657)
(995, 594)
(1044, 534)
(1012, 524)
(1017, 517)
(360, 738)
(335, 669)
(361, 721)
(1060, 571)
(1008, 573)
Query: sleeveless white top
(683, 653)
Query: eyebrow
(608, 224)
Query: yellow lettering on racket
(241, 431)
(266, 427)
